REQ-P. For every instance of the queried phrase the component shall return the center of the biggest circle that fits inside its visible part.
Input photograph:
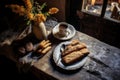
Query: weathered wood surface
(103, 63)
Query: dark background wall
(96, 26)
(60, 4)
(8, 19)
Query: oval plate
(57, 58)
(70, 29)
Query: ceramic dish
(71, 31)
(57, 58)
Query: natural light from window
(92, 6)
(113, 10)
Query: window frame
(103, 11)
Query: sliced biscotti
(71, 48)
(74, 52)
(75, 56)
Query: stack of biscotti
(74, 52)
(43, 47)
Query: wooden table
(103, 62)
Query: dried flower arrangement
(32, 11)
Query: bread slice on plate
(74, 52)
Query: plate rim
(80, 63)
(73, 34)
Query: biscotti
(74, 52)
(72, 57)
(70, 49)
(74, 42)
(75, 56)
(43, 47)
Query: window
(109, 9)
(113, 10)
(92, 6)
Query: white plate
(57, 58)
(70, 29)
